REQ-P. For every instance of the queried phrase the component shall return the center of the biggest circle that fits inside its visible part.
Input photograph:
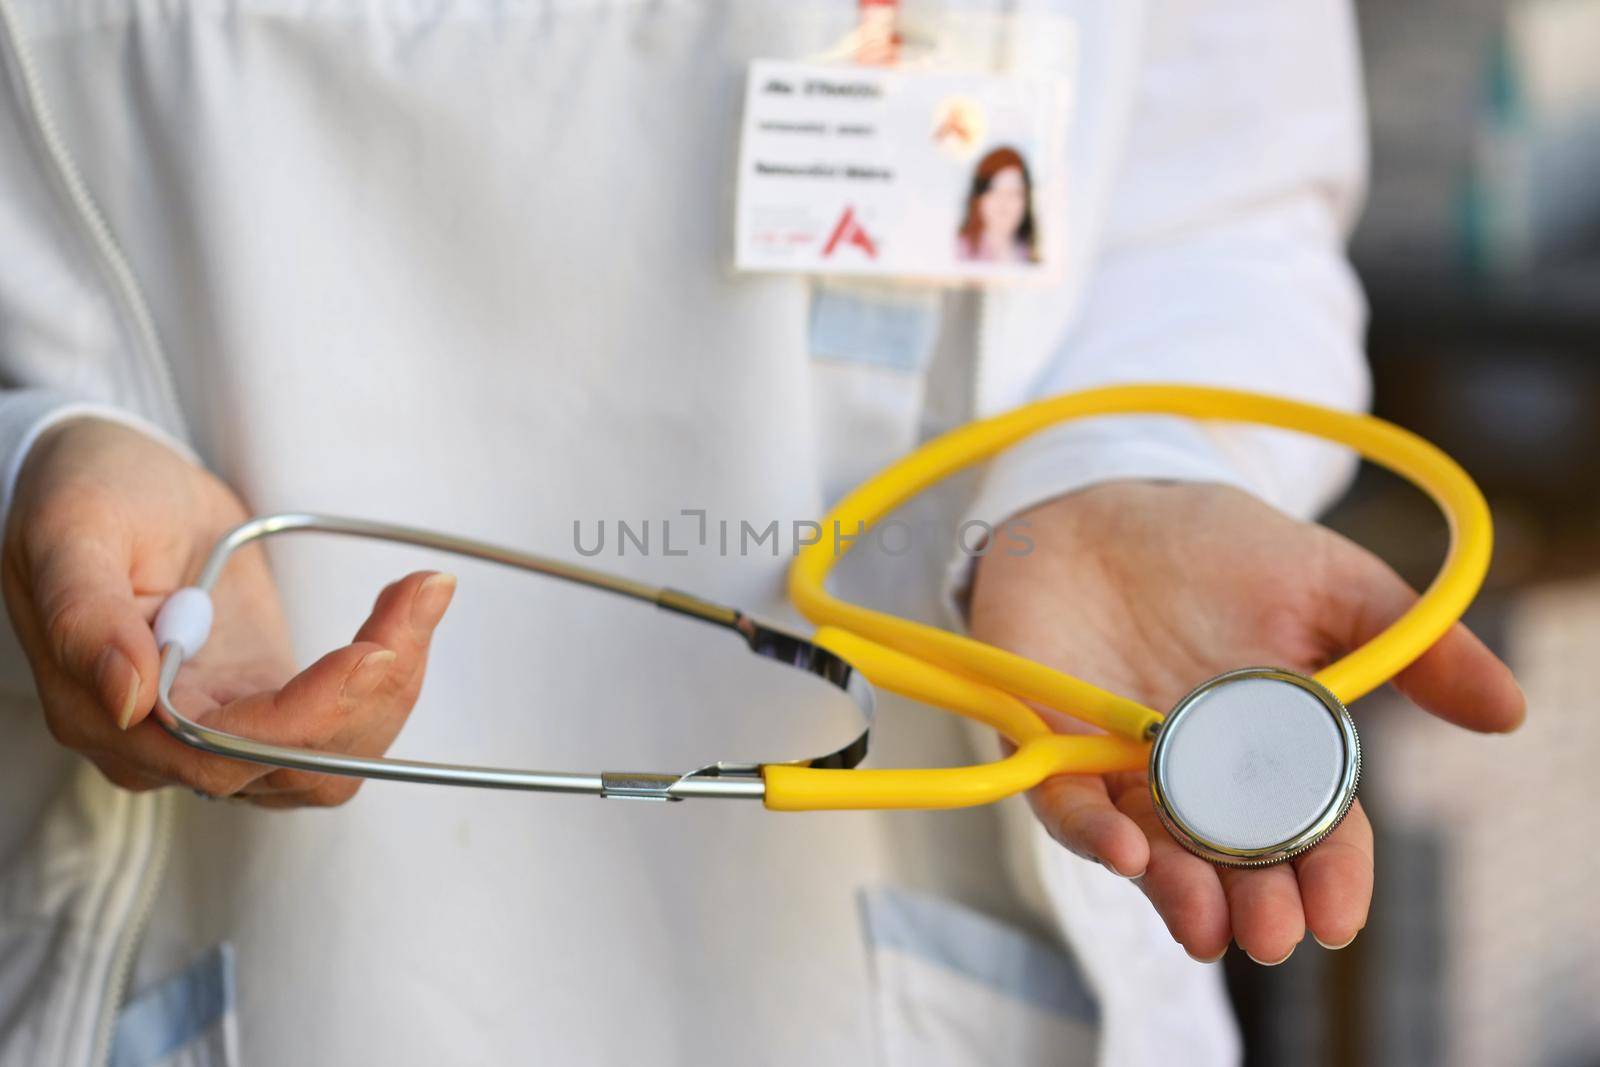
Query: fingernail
(1335, 948)
(1523, 717)
(1201, 959)
(1134, 877)
(119, 684)
(372, 669)
(1274, 963)
(432, 597)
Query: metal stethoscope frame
(184, 622)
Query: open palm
(105, 524)
(353, 701)
(1149, 589)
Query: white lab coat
(465, 265)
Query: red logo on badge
(954, 127)
(850, 232)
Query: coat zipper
(129, 298)
(133, 927)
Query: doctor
(463, 265)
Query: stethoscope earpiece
(1255, 767)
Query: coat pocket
(186, 1021)
(870, 345)
(955, 988)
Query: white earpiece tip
(184, 620)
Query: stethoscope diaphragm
(1254, 767)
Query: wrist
(86, 462)
(1090, 515)
(56, 419)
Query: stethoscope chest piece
(1255, 767)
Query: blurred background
(1480, 253)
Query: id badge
(947, 176)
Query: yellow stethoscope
(1252, 767)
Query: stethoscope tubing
(1352, 677)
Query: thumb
(1458, 678)
(93, 627)
(313, 707)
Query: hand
(104, 525)
(1148, 589)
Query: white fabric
(932, 1017)
(954, 987)
(64, 904)
(463, 265)
(1157, 1005)
(1219, 261)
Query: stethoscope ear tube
(184, 622)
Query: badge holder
(925, 153)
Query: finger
(144, 755)
(286, 788)
(328, 706)
(1461, 681)
(315, 706)
(122, 774)
(1078, 813)
(147, 750)
(311, 791)
(310, 711)
(1264, 908)
(1183, 888)
(1336, 881)
(1458, 679)
(403, 619)
(320, 708)
(92, 626)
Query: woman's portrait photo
(997, 226)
